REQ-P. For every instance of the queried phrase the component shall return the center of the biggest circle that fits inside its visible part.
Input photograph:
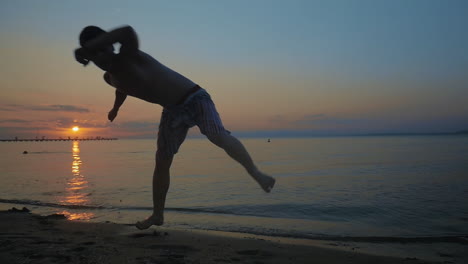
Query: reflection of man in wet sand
(135, 73)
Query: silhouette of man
(185, 104)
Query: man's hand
(82, 56)
(112, 114)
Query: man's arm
(119, 100)
(125, 35)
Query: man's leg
(236, 150)
(169, 141)
(210, 124)
(161, 180)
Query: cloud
(288, 120)
(47, 107)
(277, 118)
(128, 126)
(60, 108)
(136, 126)
(61, 124)
(21, 132)
(14, 121)
(323, 120)
(65, 122)
(139, 125)
(314, 116)
(3, 108)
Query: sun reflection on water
(76, 188)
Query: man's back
(140, 75)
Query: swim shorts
(197, 109)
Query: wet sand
(30, 238)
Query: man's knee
(218, 139)
(163, 160)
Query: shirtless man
(185, 104)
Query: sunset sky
(272, 67)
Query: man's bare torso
(140, 75)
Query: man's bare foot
(265, 181)
(152, 220)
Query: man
(185, 104)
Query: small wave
(93, 207)
(54, 205)
(130, 208)
(288, 211)
(291, 211)
(178, 209)
(232, 210)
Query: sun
(75, 129)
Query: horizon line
(283, 134)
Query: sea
(356, 186)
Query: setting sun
(75, 129)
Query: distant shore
(54, 139)
(30, 238)
(261, 134)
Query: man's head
(90, 32)
(102, 57)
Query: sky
(273, 67)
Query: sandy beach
(29, 238)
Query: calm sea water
(331, 186)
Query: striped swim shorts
(197, 110)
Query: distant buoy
(25, 152)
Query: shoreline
(357, 237)
(461, 238)
(30, 238)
